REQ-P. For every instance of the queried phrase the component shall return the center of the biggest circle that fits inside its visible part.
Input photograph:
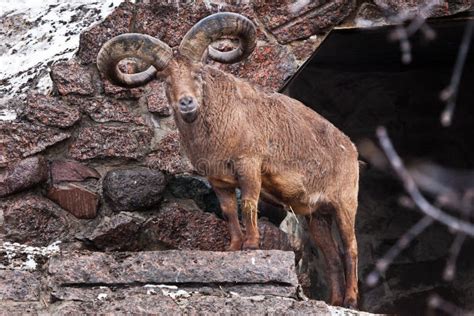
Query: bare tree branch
(403, 242)
(437, 303)
(411, 188)
(450, 93)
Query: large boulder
(133, 189)
(36, 221)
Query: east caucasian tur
(266, 144)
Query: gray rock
(133, 189)
(197, 189)
(175, 267)
(23, 175)
(117, 233)
(17, 285)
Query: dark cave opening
(357, 81)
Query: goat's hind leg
(320, 229)
(345, 220)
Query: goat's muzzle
(188, 108)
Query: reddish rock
(133, 189)
(118, 233)
(24, 139)
(167, 21)
(260, 67)
(248, 11)
(303, 50)
(180, 228)
(36, 221)
(69, 170)
(156, 101)
(271, 237)
(169, 157)
(121, 92)
(50, 111)
(71, 78)
(91, 40)
(288, 22)
(75, 199)
(23, 175)
(104, 141)
(104, 110)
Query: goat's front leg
(250, 182)
(228, 203)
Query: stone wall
(100, 167)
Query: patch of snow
(14, 254)
(30, 263)
(177, 294)
(7, 115)
(298, 6)
(36, 33)
(167, 290)
(102, 296)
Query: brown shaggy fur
(274, 147)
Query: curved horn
(147, 48)
(212, 28)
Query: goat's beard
(190, 116)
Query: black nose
(186, 103)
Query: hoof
(250, 246)
(350, 303)
(234, 246)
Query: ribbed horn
(147, 48)
(214, 27)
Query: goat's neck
(209, 134)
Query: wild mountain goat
(266, 144)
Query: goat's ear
(162, 74)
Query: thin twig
(437, 303)
(402, 243)
(411, 188)
(450, 269)
(417, 23)
(450, 93)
